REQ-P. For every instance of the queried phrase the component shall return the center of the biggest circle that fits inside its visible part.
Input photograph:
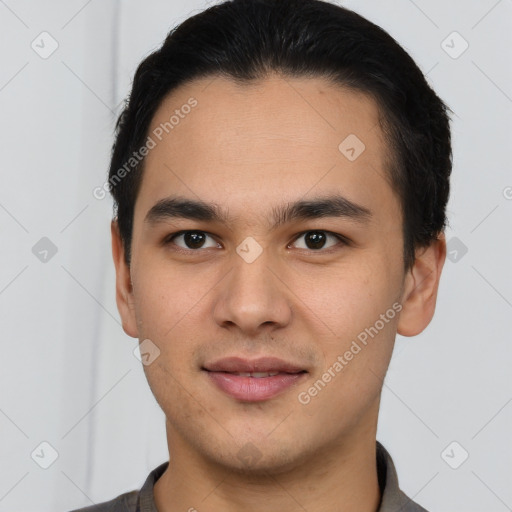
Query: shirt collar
(392, 498)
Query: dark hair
(246, 40)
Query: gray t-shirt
(393, 499)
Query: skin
(250, 148)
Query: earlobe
(420, 288)
(124, 289)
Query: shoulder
(393, 498)
(129, 501)
(408, 505)
(126, 502)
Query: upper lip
(262, 364)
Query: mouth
(253, 380)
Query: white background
(68, 375)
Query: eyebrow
(330, 206)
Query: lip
(261, 364)
(253, 389)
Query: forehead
(278, 138)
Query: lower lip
(254, 389)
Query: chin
(253, 459)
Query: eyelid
(169, 239)
(341, 238)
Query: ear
(124, 290)
(420, 288)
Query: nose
(252, 297)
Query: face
(319, 285)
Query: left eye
(316, 240)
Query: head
(249, 107)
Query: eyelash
(344, 240)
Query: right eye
(191, 240)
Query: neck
(342, 477)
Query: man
(280, 176)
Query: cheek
(170, 386)
(360, 306)
(352, 298)
(355, 361)
(165, 299)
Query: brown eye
(194, 240)
(316, 240)
(191, 240)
